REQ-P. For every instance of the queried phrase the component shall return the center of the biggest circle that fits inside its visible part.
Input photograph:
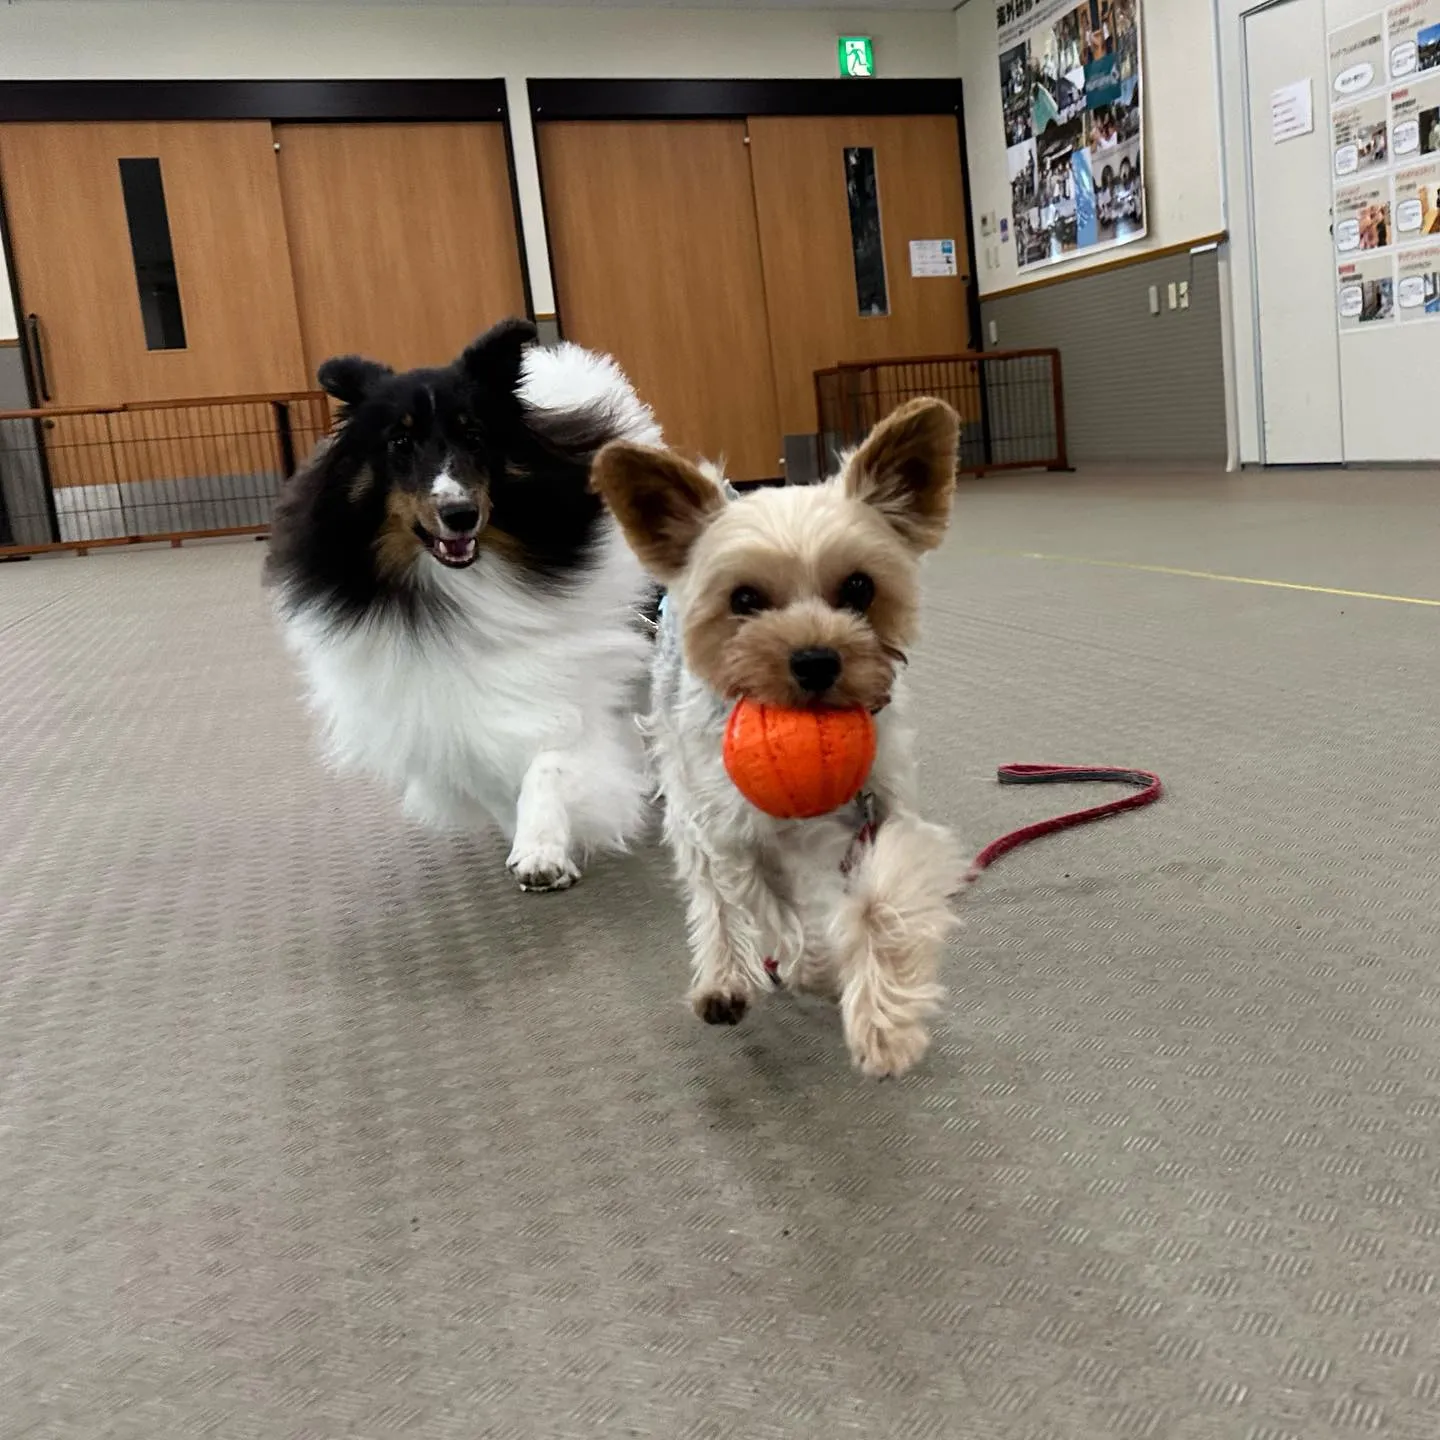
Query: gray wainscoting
(1137, 386)
(24, 518)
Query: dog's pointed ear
(662, 503)
(906, 470)
(350, 378)
(494, 360)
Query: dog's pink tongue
(456, 549)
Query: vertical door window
(867, 247)
(153, 254)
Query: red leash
(1148, 790)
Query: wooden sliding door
(656, 257)
(402, 237)
(805, 186)
(152, 265)
(723, 262)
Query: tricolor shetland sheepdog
(463, 607)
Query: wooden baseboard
(1121, 262)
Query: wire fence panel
(1010, 402)
(74, 478)
(77, 478)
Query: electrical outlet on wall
(1184, 294)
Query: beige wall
(252, 39)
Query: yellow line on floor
(1231, 579)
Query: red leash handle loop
(1148, 790)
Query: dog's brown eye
(746, 600)
(857, 592)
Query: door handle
(36, 347)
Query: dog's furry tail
(896, 918)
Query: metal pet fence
(81, 478)
(1011, 405)
(77, 479)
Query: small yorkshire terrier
(806, 596)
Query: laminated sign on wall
(1292, 111)
(1385, 138)
(932, 257)
(1074, 128)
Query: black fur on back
(468, 416)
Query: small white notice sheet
(932, 257)
(1292, 111)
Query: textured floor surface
(309, 1127)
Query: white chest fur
(465, 706)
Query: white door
(1298, 357)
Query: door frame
(582, 99)
(1241, 319)
(278, 101)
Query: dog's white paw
(885, 1051)
(720, 1006)
(543, 869)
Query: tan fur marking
(661, 502)
(501, 542)
(906, 470)
(397, 544)
(756, 662)
(797, 548)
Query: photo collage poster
(1074, 131)
(1385, 148)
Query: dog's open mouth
(456, 551)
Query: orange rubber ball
(798, 764)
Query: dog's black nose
(461, 519)
(815, 670)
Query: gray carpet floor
(310, 1127)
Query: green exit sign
(857, 57)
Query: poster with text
(1361, 136)
(1384, 74)
(1074, 130)
(1366, 291)
(1417, 201)
(1357, 58)
(1413, 29)
(1415, 118)
(1362, 216)
(1417, 291)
